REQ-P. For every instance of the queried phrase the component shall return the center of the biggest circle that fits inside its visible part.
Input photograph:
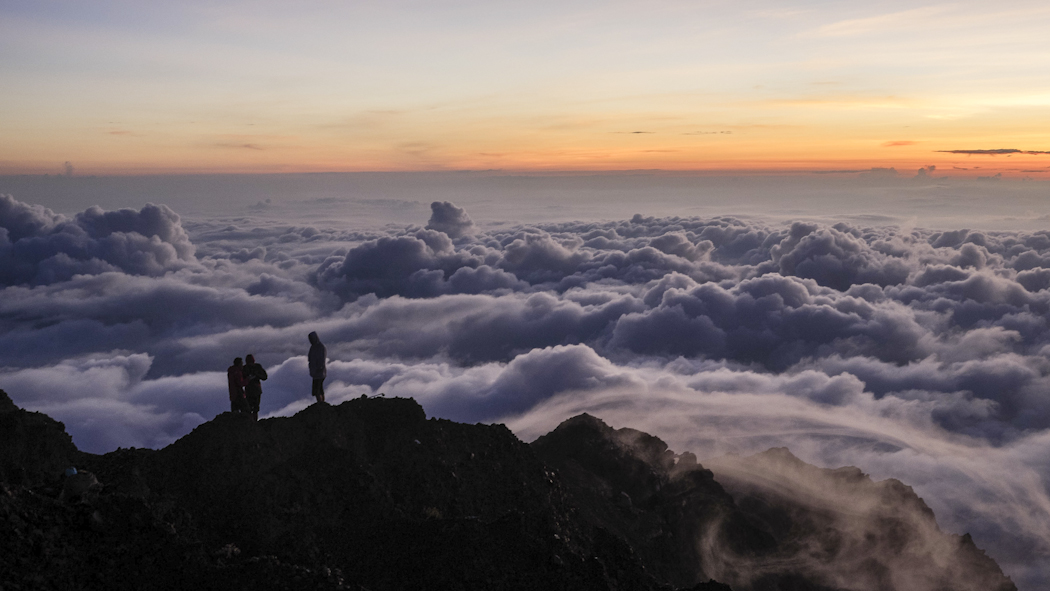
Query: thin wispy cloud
(890, 22)
(846, 102)
(995, 152)
(240, 146)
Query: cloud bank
(38, 246)
(915, 354)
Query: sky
(121, 87)
(820, 225)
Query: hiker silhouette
(316, 358)
(236, 381)
(254, 374)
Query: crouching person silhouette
(316, 358)
(254, 374)
(235, 380)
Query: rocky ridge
(370, 494)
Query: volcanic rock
(34, 448)
(839, 529)
(371, 494)
(765, 523)
(662, 504)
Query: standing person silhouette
(316, 358)
(254, 374)
(235, 380)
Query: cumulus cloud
(913, 353)
(451, 220)
(414, 265)
(39, 247)
(98, 313)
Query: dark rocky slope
(629, 483)
(33, 446)
(841, 529)
(371, 494)
(764, 523)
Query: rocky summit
(371, 494)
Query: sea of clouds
(915, 354)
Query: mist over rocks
(663, 504)
(843, 530)
(371, 494)
(919, 354)
(768, 521)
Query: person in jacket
(254, 374)
(235, 380)
(316, 358)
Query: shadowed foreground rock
(371, 494)
(841, 529)
(764, 523)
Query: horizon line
(885, 172)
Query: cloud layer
(38, 246)
(915, 354)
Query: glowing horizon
(120, 88)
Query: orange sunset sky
(122, 87)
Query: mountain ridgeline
(370, 494)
